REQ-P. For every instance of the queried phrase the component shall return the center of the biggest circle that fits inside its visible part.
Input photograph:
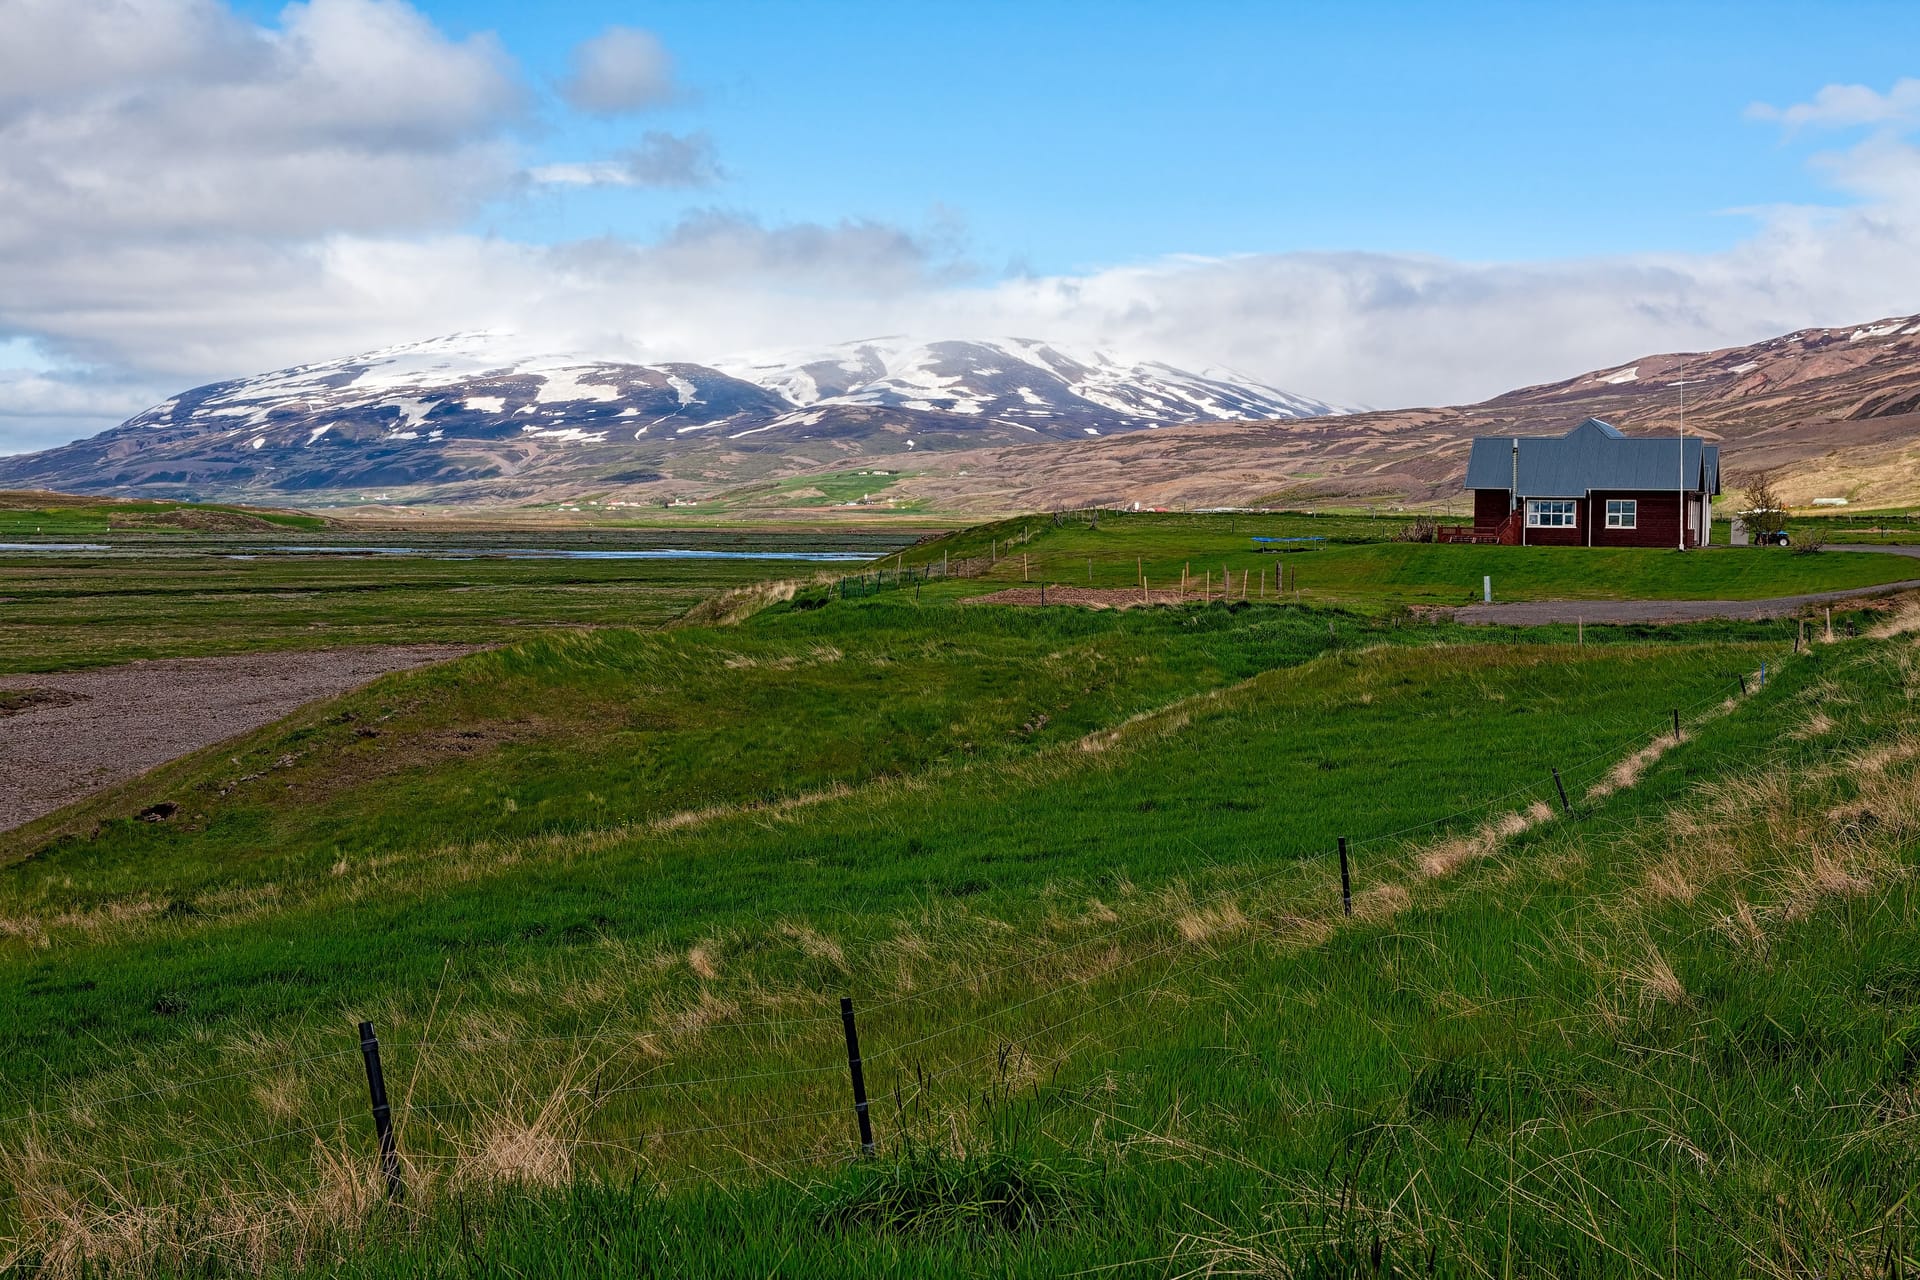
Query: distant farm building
(1592, 487)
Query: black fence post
(1346, 881)
(859, 1078)
(1562, 789)
(382, 1113)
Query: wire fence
(1140, 974)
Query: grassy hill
(601, 892)
(27, 515)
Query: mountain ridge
(1835, 412)
(478, 414)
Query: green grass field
(601, 890)
(234, 594)
(1353, 564)
(1074, 869)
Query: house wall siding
(1659, 520)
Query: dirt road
(67, 735)
(1528, 613)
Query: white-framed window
(1550, 513)
(1623, 513)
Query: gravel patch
(1528, 613)
(67, 735)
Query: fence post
(1346, 882)
(1743, 684)
(1676, 724)
(859, 1078)
(382, 1113)
(1562, 789)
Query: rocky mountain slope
(474, 416)
(1836, 412)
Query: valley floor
(1315, 938)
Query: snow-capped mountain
(1023, 382)
(482, 414)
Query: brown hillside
(1835, 411)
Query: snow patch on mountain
(469, 407)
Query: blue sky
(1069, 136)
(1376, 203)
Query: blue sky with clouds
(1069, 136)
(1385, 203)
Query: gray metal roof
(1594, 455)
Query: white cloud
(154, 119)
(234, 198)
(623, 69)
(1846, 106)
(661, 160)
(41, 407)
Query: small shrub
(1423, 529)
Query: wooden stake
(1562, 787)
(1023, 566)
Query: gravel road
(1537, 612)
(64, 736)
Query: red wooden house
(1592, 487)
